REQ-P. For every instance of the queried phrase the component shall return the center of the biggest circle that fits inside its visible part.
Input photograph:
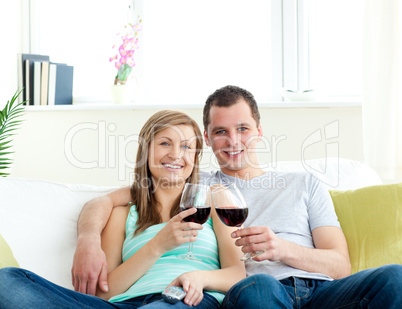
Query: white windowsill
(109, 106)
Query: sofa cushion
(6, 256)
(371, 219)
(39, 220)
(334, 173)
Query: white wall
(99, 146)
(11, 44)
(103, 148)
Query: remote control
(173, 294)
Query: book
(27, 87)
(52, 83)
(64, 84)
(25, 74)
(44, 83)
(37, 82)
(21, 77)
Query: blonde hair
(143, 186)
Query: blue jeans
(23, 289)
(373, 288)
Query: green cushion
(6, 256)
(371, 219)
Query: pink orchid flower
(124, 58)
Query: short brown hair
(228, 96)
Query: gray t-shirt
(292, 204)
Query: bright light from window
(194, 47)
(81, 34)
(189, 48)
(336, 33)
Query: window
(322, 46)
(80, 33)
(336, 46)
(204, 45)
(190, 48)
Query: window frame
(290, 44)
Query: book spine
(37, 74)
(27, 88)
(21, 78)
(64, 85)
(44, 83)
(52, 83)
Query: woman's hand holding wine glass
(176, 231)
(195, 196)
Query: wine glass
(198, 196)
(231, 208)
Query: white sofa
(38, 218)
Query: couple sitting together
(127, 256)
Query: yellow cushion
(371, 219)
(6, 256)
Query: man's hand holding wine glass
(232, 209)
(260, 238)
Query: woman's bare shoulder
(120, 212)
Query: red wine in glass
(200, 217)
(195, 196)
(232, 216)
(231, 209)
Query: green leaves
(122, 74)
(9, 123)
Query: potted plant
(123, 59)
(9, 122)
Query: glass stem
(190, 248)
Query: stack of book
(44, 82)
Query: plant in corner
(124, 56)
(9, 122)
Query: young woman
(142, 242)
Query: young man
(291, 219)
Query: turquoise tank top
(168, 267)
